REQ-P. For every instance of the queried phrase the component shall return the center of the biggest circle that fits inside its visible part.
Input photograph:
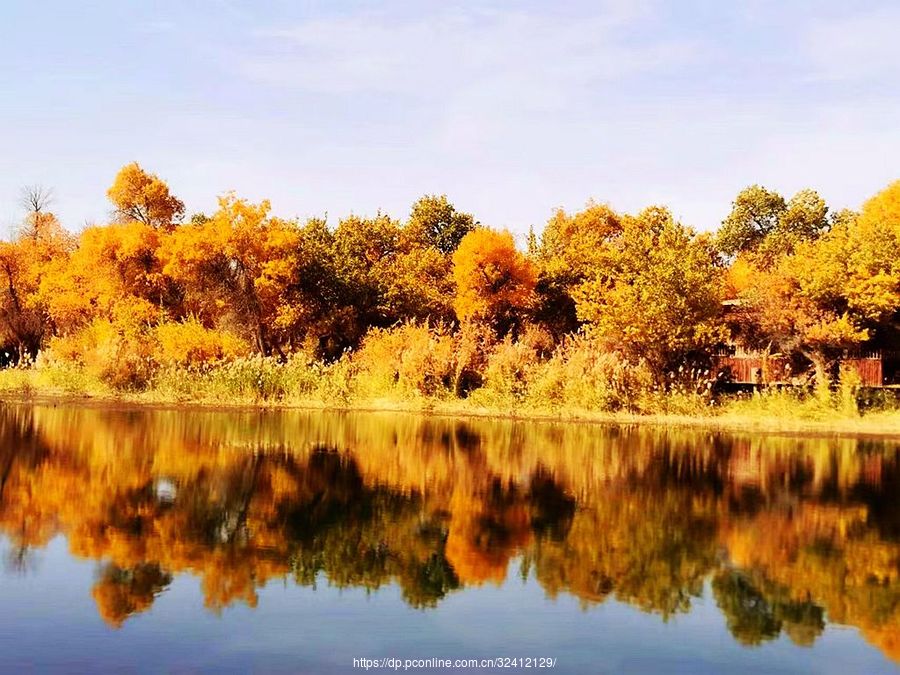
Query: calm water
(148, 541)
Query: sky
(512, 109)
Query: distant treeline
(441, 298)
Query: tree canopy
(786, 275)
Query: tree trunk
(821, 371)
(820, 367)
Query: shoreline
(877, 425)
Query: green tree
(441, 225)
(658, 296)
(763, 225)
(754, 215)
(571, 249)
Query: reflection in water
(790, 532)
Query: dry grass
(421, 368)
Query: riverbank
(768, 412)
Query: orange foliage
(119, 300)
(239, 261)
(494, 281)
(143, 197)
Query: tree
(804, 216)
(35, 198)
(572, 247)
(874, 262)
(144, 197)
(113, 274)
(658, 296)
(829, 294)
(241, 263)
(754, 215)
(24, 262)
(494, 281)
(441, 225)
(419, 285)
(761, 224)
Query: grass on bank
(574, 383)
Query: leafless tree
(35, 198)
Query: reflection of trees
(789, 530)
(119, 593)
(754, 617)
(647, 549)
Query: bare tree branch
(35, 198)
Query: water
(149, 541)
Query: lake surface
(158, 541)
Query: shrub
(412, 359)
(508, 370)
(580, 375)
(189, 343)
(118, 353)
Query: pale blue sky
(512, 109)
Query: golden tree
(494, 281)
(572, 248)
(24, 263)
(240, 263)
(658, 297)
(144, 197)
(832, 293)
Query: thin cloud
(860, 47)
(431, 57)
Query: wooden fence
(756, 368)
(870, 369)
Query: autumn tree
(239, 265)
(420, 282)
(572, 247)
(440, 224)
(365, 251)
(420, 285)
(874, 263)
(382, 273)
(41, 242)
(144, 197)
(494, 281)
(113, 273)
(658, 297)
(829, 294)
(761, 224)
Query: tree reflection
(788, 530)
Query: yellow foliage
(661, 298)
(143, 197)
(117, 352)
(240, 261)
(493, 279)
(189, 343)
(113, 274)
(739, 277)
(119, 300)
